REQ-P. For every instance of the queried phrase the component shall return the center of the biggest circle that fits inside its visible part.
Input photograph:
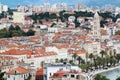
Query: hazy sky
(14, 3)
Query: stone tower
(96, 34)
(96, 27)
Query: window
(15, 72)
(8, 76)
(64, 75)
(50, 74)
(78, 77)
(72, 76)
(32, 62)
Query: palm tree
(107, 59)
(110, 53)
(71, 62)
(56, 60)
(102, 52)
(103, 62)
(61, 60)
(79, 59)
(114, 61)
(114, 52)
(117, 58)
(91, 56)
(83, 67)
(74, 56)
(111, 60)
(65, 60)
(98, 59)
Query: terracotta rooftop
(20, 70)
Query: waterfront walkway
(91, 75)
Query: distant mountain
(14, 3)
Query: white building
(50, 69)
(111, 30)
(53, 29)
(3, 8)
(71, 18)
(18, 73)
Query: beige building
(18, 17)
(92, 47)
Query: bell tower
(96, 26)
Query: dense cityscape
(59, 42)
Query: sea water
(112, 75)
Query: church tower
(96, 27)
(96, 34)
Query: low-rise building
(18, 73)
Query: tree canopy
(99, 77)
(118, 78)
(1, 75)
(15, 31)
(117, 32)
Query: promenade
(91, 75)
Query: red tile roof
(58, 74)
(18, 70)
(80, 51)
(40, 71)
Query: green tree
(53, 16)
(74, 56)
(4, 33)
(10, 11)
(57, 60)
(79, 59)
(77, 24)
(15, 33)
(99, 77)
(65, 60)
(11, 28)
(117, 57)
(102, 23)
(17, 28)
(71, 62)
(84, 67)
(110, 52)
(30, 32)
(91, 56)
(114, 52)
(61, 60)
(53, 24)
(1, 75)
(117, 32)
(102, 52)
(118, 78)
